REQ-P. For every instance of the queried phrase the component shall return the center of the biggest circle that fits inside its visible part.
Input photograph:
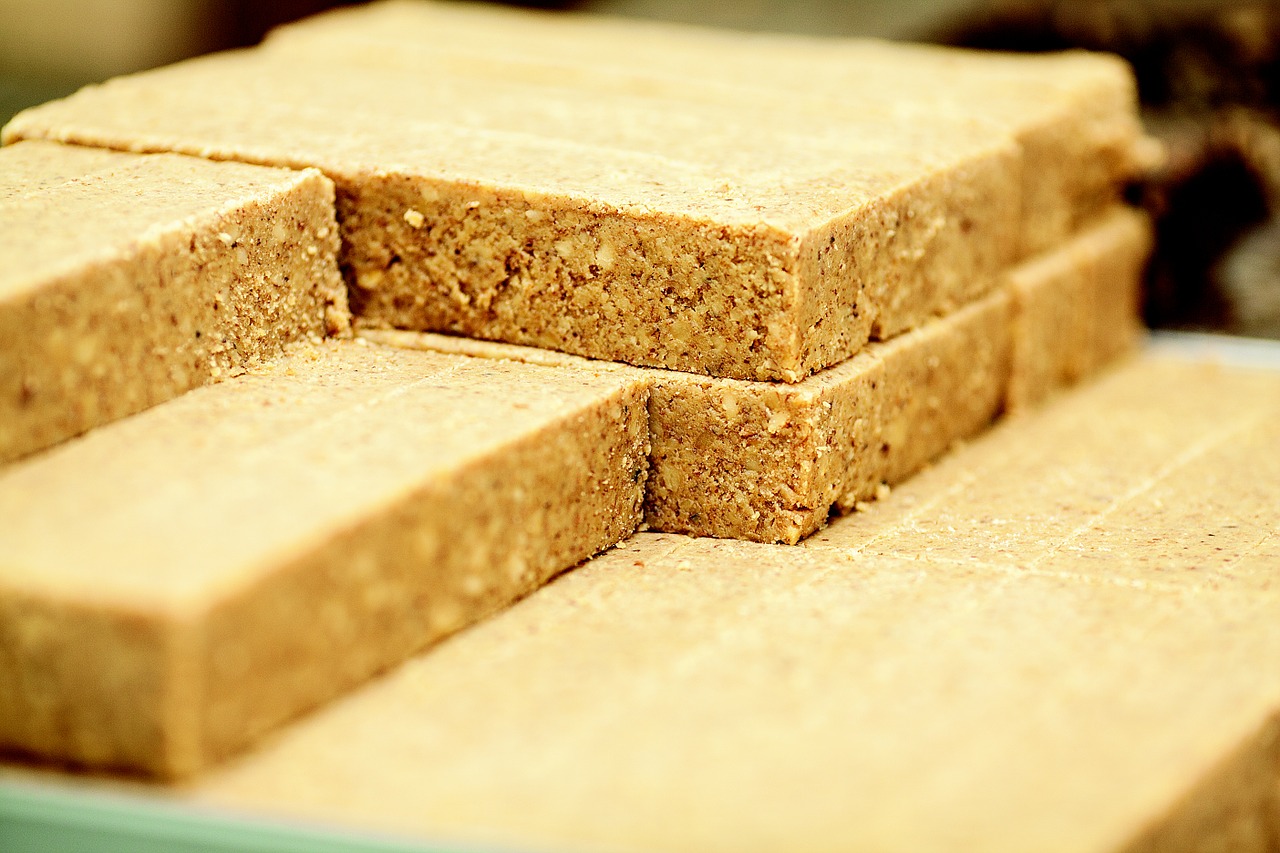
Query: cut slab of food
(1075, 309)
(1072, 113)
(126, 280)
(769, 461)
(1161, 470)
(180, 582)
(694, 694)
(730, 230)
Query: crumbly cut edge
(768, 462)
(188, 304)
(654, 290)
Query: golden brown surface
(1076, 309)
(1019, 650)
(126, 280)
(1170, 473)
(1073, 114)
(177, 583)
(677, 217)
(768, 462)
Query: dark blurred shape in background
(1208, 70)
(49, 48)
(1209, 76)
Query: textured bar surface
(872, 693)
(127, 280)
(667, 220)
(1072, 113)
(769, 462)
(178, 583)
(1158, 469)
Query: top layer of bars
(743, 206)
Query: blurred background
(50, 47)
(1208, 72)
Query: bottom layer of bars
(769, 462)
(180, 582)
(863, 693)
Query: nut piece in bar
(127, 280)
(250, 550)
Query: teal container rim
(43, 817)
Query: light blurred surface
(49, 48)
(88, 39)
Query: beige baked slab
(1071, 113)
(1076, 307)
(127, 280)
(768, 462)
(177, 583)
(731, 230)
(873, 689)
(1159, 470)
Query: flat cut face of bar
(769, 462)
(688, 694)
(251, 549)
(730, 230)
(126, 280)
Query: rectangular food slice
(126, 280)
(180, 582)
(729, 230)
(695, 694)
(768, 461)
(1073, 114)
(1076, 309)
(1162, 470)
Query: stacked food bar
(778, 276)
(970, 665)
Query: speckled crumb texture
(180, 582)
(769, 462)
(127, 280)
(730, 205)
(1014, 652)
